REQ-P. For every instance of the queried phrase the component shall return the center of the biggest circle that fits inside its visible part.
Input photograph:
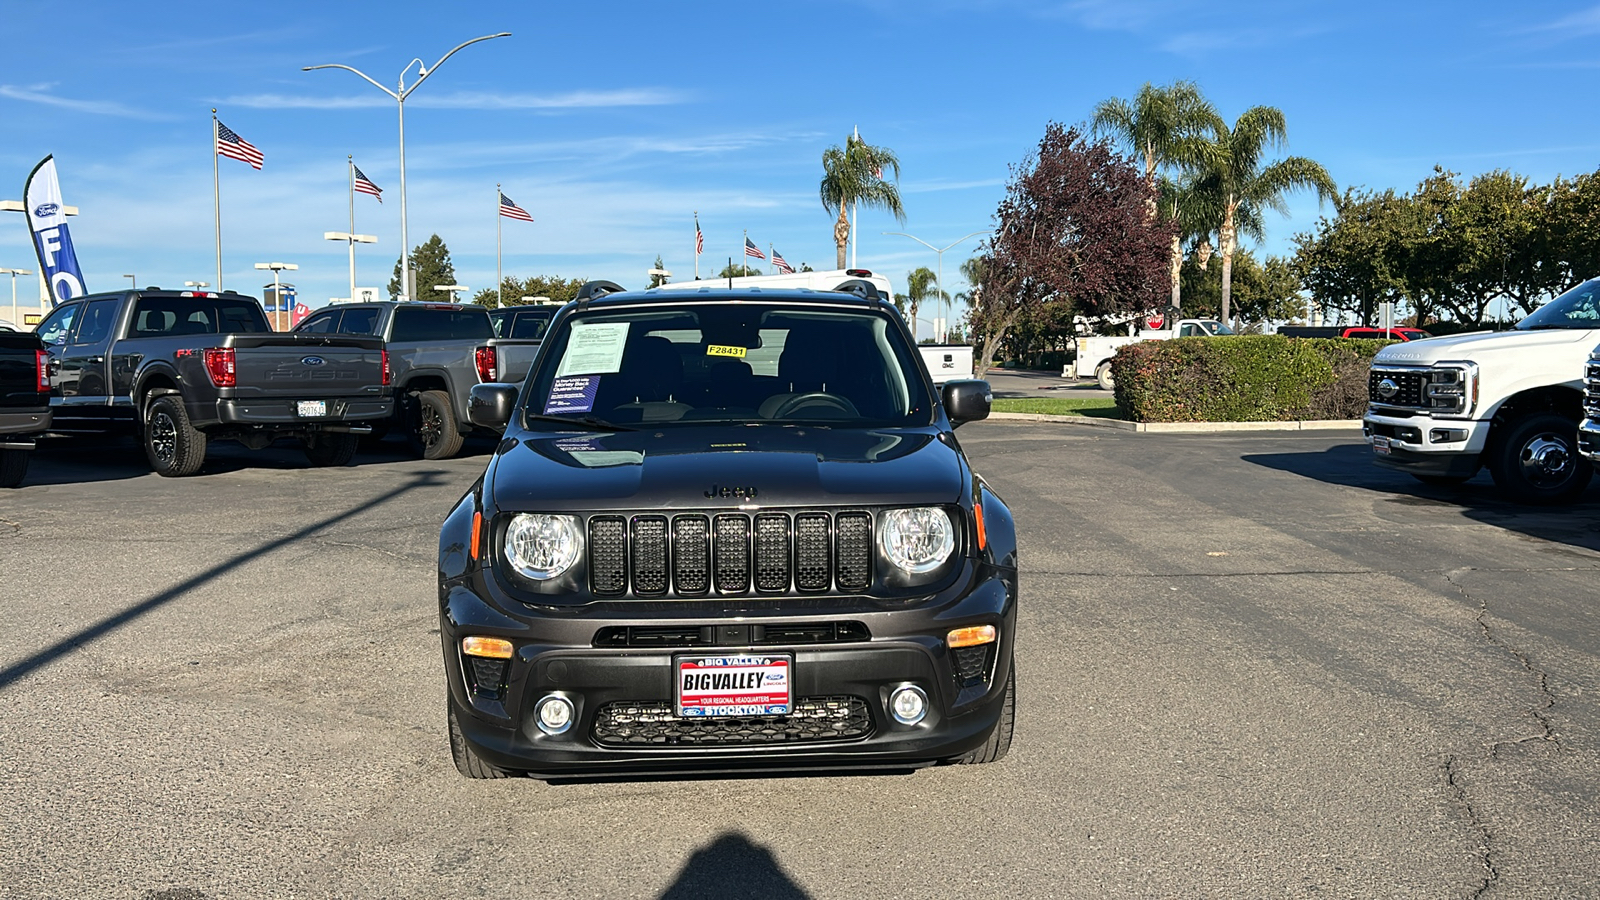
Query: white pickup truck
(1442, 408)
(1094, 353)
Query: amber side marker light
(971, 636)
(493, 648)
(477, 533)
(977, 516)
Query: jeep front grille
(695, 554)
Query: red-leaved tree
(1074, 226)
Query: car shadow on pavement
(1350, 465)
(96, 630)
(733, 866)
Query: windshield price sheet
(735, 685)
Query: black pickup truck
(24, 401)
(181, 368)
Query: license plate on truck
(753, 684)
(1380, 445)
(311, 409)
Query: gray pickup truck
(24, 401)
(437, 351)
(181, 368)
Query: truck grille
(1408, 388)
(651, 723)
(1591, 389)
(694, 554)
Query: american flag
(365, 185)
(781, 263)
(699, 239)
(752, 250)
(512, 211)
(232, 146)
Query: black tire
(174, 447)
(431, 427)
(999, 742)
(467, 762)
(1442, 480)
(1537, 461)
(13, 467)
(1102, 375)
(331, 449)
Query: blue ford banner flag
(47, 221)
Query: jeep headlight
(541, 547)
(918, 540)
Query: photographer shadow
(733, 866)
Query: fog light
(1447, 435)
(908, 704)
(554, 714)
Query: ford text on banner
(47, 220)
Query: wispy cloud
(473, 100)
(929, 187)
(1199, 43)
(40, 93)
(1578, 24)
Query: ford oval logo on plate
(1387, 388)
(313, 361)
(45, 210)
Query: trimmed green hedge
(1249, 378)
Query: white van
(832, 280)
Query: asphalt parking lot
(1250, 665)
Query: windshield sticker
(594, 349)
(720, 350)
(572, 395)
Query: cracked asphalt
(1249, 666)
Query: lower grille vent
(773, 635)
(652, 723)
(972, 664)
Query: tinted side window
(359, 321)
(422, 324)
(155, 317)
(53, 330)
(98, 317)
(321, 323)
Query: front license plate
(310, 409)
(1380, 445)
(752, 684)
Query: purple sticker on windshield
(572, 395)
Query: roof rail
(593, 290)
(861, 288)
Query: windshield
(730, 362)
(1577, 308)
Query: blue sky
(613, 122)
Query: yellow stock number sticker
(720, 350)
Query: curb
(1181, 427)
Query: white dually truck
(1093, 359)
(1442, 408)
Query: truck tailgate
(308, 366)
(516, 357)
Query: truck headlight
(918, 540)
(541, 547)
(1451, 389)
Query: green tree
(1266, 291)
(921, 284)
(805, 268)
(854, 174)
(658, 280)
(430, 261)
(1242, 185)
(554, 287)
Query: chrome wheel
(1546, 459)
(163, 436)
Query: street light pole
(277, 290)
(939, 262)
(400, 94)
(14, 273)
(132, 281)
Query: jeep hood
(680, 468)
(1474, 347)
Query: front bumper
(281, 413)
(1589, 438)
(556, 654)
(1424, 445)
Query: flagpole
(216, 196)
(744, 255)
(697, 245)
(855, 209)
(351, 240)
(499, 227)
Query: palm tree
(921, 284)
(1242, 187)
(1168, 128)
(854, 175)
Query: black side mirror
(490, 405)
(966, 401)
